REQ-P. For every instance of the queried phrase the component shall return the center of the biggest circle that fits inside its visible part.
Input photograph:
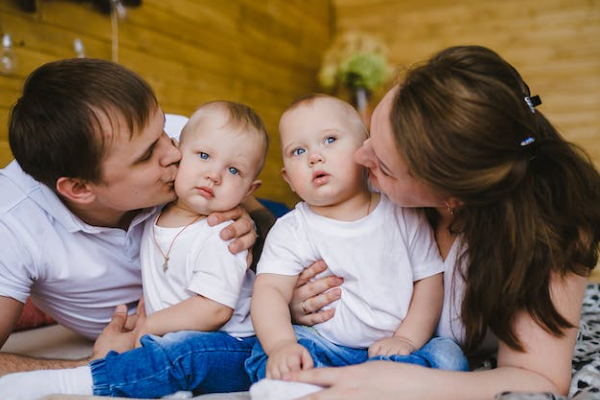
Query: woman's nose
(364, 155)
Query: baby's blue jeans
(202, 362)
(441, 353)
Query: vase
(361, 102)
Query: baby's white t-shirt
(379, 256)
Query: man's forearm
(264, 221)
(262, 217)
(17, 363)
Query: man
(92, 164)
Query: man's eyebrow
(150, 148)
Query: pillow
(31, 317)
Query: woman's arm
(545, 366)
(545, 355)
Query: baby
(393, 285)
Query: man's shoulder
(11, 187)
(16, 203)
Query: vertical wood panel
(263, 53)
(553, 43)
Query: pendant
(166, 264)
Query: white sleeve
(174, 124)
(217, 274)
(422, 247)
(287, 250)
(17, 268)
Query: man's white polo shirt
(75, 272)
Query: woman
(515, 210)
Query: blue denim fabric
(202, 362)
(441, 353)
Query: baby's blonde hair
(351, 113)
(240, 117)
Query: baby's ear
(253, 187)
(286, 178)
(75, 190)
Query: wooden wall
(553, 43)
(266, 53)
(263, 53)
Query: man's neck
(102, 217)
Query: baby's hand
(289, 357)
(390, 346)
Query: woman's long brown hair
(531, 199)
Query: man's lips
(206, 192)
(320, 178)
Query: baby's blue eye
(298, 151)
(203, 155)
(234, 171)
(330, 139)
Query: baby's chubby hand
(286, 358)
(391, 346)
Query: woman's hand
(241, 229)
(376, 380)
(310, 296)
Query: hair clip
(532, 102)
(527, 141)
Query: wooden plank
(50, 39)
(5, 154)
(10, 90)
(4, 124)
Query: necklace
(165, 265)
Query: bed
(56, 341)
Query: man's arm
(242, 227)
(264, 221)
(10, 310)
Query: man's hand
(310, 296)
(241, 229)
(121, 332)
